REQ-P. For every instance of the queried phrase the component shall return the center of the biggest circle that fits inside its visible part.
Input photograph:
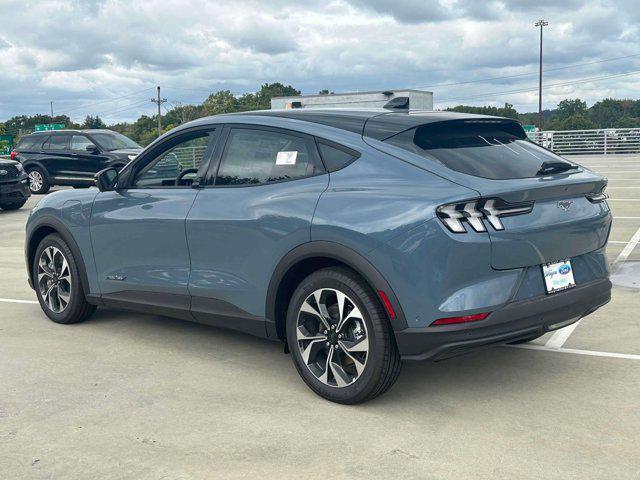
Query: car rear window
(492, 149)
(28, 144)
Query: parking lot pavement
(144, 397)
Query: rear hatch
(535, 206)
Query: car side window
(255, 156)
(336, 157)
(79, 143)
(165, 169)
(57, 143)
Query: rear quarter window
(497, 150)
(335, 156)
(29, 144)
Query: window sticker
(286, 158)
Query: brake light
(473, 212)
(14, 154)
(476, 317)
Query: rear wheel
(38, 181)
(340, 340)
(57, 282)
(13, 205)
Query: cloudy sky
(106, 56)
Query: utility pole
(51, 103)
(540, 23)
(159, 101)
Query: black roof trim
(376, 123)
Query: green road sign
(6, 144)
(49, 126)
(529, 128)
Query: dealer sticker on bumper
(558, 276)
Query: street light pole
(540, 23)
(51, 111)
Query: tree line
(570, 114)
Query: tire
(38, 181)
(13, 205)
(63, 285)
(355, 375)
(526, 340)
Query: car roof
(69, 130)
(377, 123)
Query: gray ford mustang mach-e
(356, 237)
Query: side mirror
(107, 179)
(92, 149)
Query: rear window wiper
(554, 167)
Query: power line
(108, 100)
(529, 89)
(529, 74)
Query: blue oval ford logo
(564, 269)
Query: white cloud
(80, 52)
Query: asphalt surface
(131, 396)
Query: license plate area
(558, 276)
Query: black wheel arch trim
(62, 230)
(35, 163)
(340, 253)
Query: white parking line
(623, 200)
(575, 351)
(13, 300)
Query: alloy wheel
(35, 181)
(332, 337)
(54, 279)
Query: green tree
(93, 122)
(506, 111)
(568, 108)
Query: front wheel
(56, 279)
(340, 339)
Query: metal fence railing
(189, 157)
(609, 141)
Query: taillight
(14, 154)
(473, 212)
(476, 317)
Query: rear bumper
(514, 321)
(15, 190)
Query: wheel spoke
(342, 378)
(308, 308)
(325, 375)
(311, 351)
(64, 269)
(359, 346)
(62, 295)
(48, 299)
(353, 314)
(359, 365)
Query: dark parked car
(14, 185)
(71, 157)
(357, 238)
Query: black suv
(71, 157)
(14, 185)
